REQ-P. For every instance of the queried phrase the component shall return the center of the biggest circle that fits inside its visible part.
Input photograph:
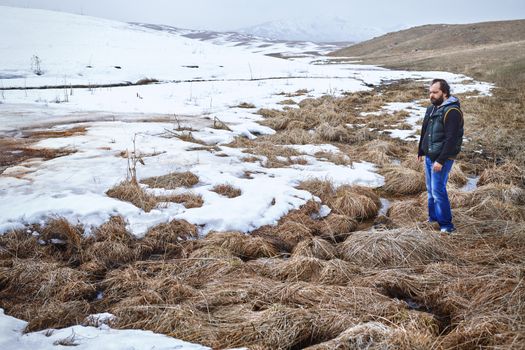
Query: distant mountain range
(317, 30)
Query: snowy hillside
(314, 29)
(73, 49)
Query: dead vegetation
(227, 190)
(402, 180)
(14, 151)
(172, 181)
(306, 282)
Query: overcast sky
(233, 14)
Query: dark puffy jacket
(439, 140)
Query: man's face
(436, 95)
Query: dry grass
(167, 239)
(227, 190)
(287, 102)
(495, 209)
(243, 246)
(324, 189)
(336, 227)
(189, 200)
(394, 248)
(507, 193)
(402, 181)
(355, 202)
(316, 248)
(57, 315)
(14, 151)
(336, 158)
(408, 212)
(50, 133)
(456, 176)
(507, 173)
(245, 105)
(128, 191)
(172, 181)
(381, 152)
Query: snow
(201, 77)
(85, 337)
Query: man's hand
(419, 158)
(437, 167)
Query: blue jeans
(438, 203)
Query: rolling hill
(491, 51)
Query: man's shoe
(448, 230)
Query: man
(440, 142)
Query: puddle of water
(385, 204)
(471, 185)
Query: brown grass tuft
(407, 212)
(336, 227)
(297, 268)
(189, 200)
(507, 193)
(172, 181)
(58, 315)
(329, 133)
(355, 202)
(508, 173)
(291, 233)
(339, 272)
(324, 189)
(246, 247)
(62, 239)
(381, 152)
(167, 238)
(128, 191)
(456, 176)
(393, 248)
(245, 105)
(227, 190)
(402, 181)
(316, 248)
(19, 244)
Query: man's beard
(437, 101)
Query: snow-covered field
(197, 81)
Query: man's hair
(443, 86)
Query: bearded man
(439, 144)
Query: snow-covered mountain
(314, 29)
(252, 43)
